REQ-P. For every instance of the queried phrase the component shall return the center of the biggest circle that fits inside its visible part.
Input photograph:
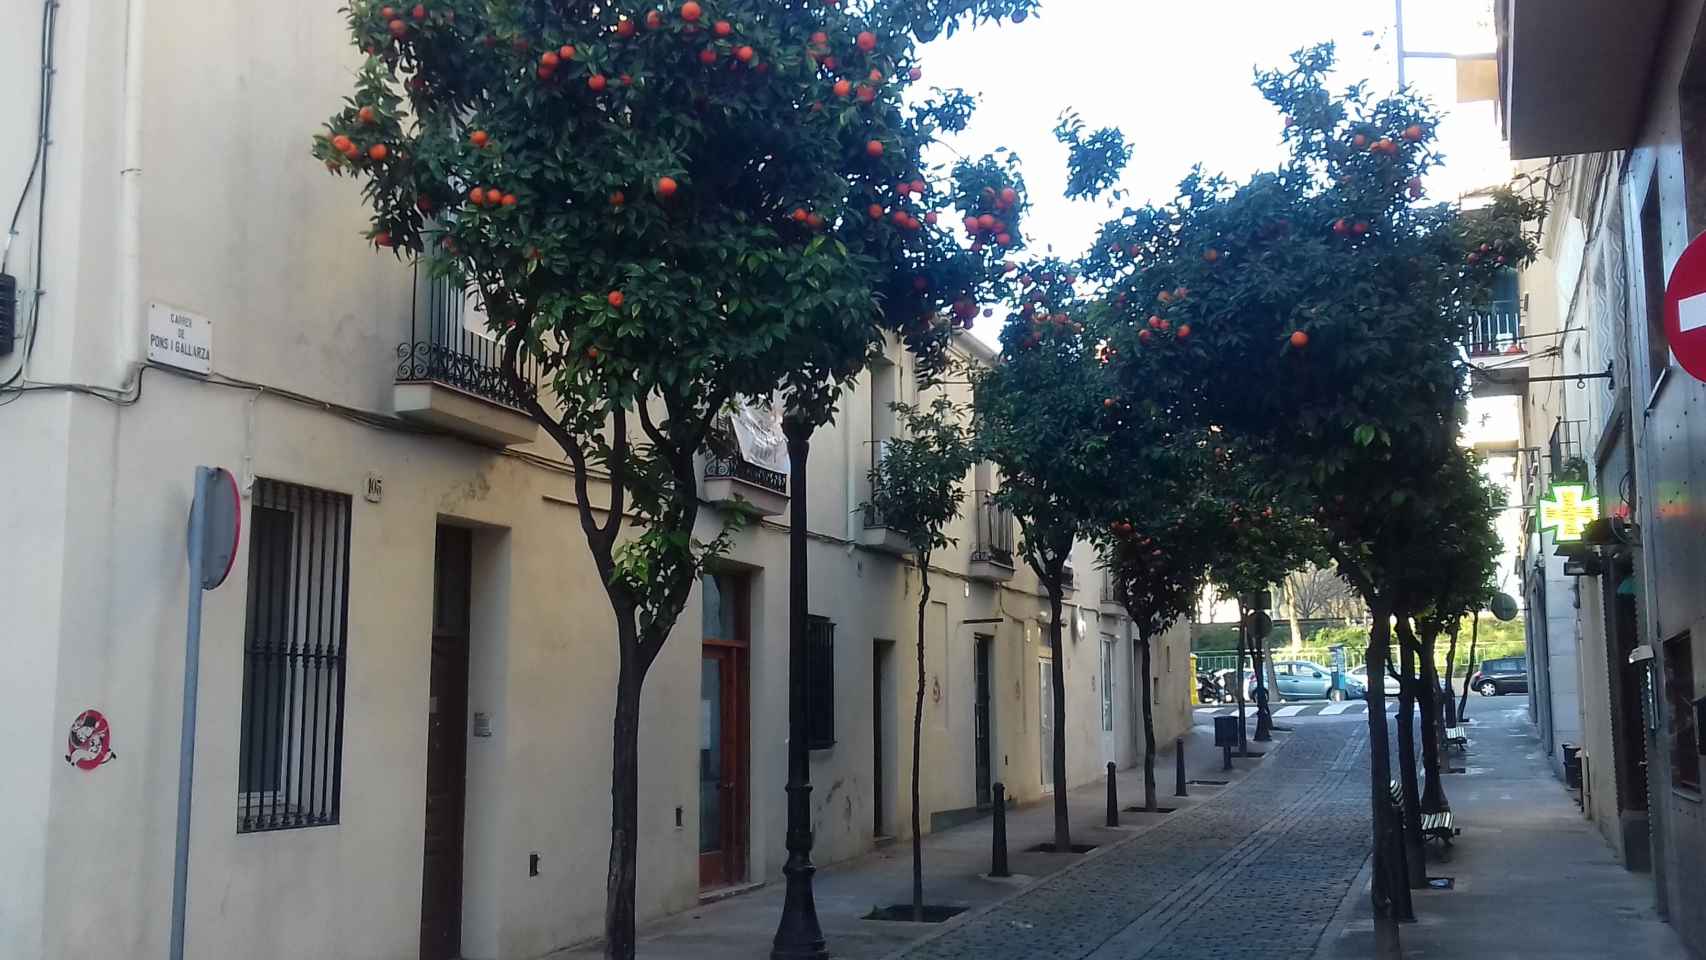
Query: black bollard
(998, 856)
(1179, 768)
(1113, 798)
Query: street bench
(1457, 736)
(1438, 826)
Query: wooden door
(980, 722)
(447, 723)
(723, 737)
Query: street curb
(1274, 747)
(1346, 910)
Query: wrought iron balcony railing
(447, 344)
(1496, 332)
(736, 467)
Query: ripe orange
(1299, 339)
(566, 51)
(378, 151)
(1008, 195)
(479, 138)
(1359, 141)
(1413, 132)
(666, 187)
(707, 56)
(365, 114)
(744, 54)
(931, 218)
(914, 74)
(800, 215)
(508, 199)
(820, 38)
(1155, 322)
(690, 11)
(398, 28)
(654, 20)
(875, 211)
(1211, 254)
(986, 221)
(874, 148)
(624, 28)
(596, 83)
(1184, 332)
(387, 13)
(843, 88)
(815, 220)
(876, 76)
(545, 72)
(420, 12)
(477, 197)
(549, 59)
(1004, 238)
(382, 238)
(723, 28)
(1108, 402)
(867, 41)
(615, 298)
(900, 218)
(592, 353)
(618, 198)
(342, 144)
(866, 94)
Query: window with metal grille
(291, 730)
(1679, 694)
(820, 683)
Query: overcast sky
(1175, 76)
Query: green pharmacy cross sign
(1568, 511)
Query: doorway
(1108, 660)
(723, 734)
(1045, 720)
(882, 654)
(447, 747)
(981, 747)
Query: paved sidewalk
(741, 927)
(1533, 878)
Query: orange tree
(917, 489)
(1313, 311)
(1041, 416)
(664, 210)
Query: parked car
(1302, 680)
(1501, 676)
(1360, 675)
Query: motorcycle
(1208, 688)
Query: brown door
(723, 734)
(447, 724)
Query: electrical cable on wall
(36, 178)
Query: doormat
(1050, 848)
(902, 913)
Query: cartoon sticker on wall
(90, 743)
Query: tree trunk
(1238, 683)
(1259, 672)
(1057, 677)
(1450, 671)
(1416, 866)
(1469, 665)
(1433, 788)
(1296, 624)
(1148, 726)
(1390, 891)
(619, 882)
(917, 745)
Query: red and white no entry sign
(1685, 309)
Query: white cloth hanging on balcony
(757, 427)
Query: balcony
(733, 484)
(1068, 580)
(992, 544)
(1497, 358)
(879, 536)
(450, 375)
(1111, 605)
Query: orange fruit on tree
(479, 138)
(723, 28)
(654, 20)
(618, 198)
(1211, 255)
(566, 51)
(666, 187)
(874, 148)
(477, 197)
(800, 215)
(382, 238)
(378, 151)
(866, 94)
(342, 144)
(867, 41)
(986, 221)
(596, 83)
(744, 54)
(914, 74)
(1413, 132)
(615, 298)
(1299, 339)
(875, 211)
(900, 218)
(549, 59)
(931, 218)
(843, 88)
(820, 38)
(398, 28)
(420, 12)
(365, 115)
(690, 11)
(544, 72)
(1359, 141)
(1184, 331)
(509, 200)
(1009, 195)
(624, 28)
(707, 56)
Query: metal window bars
(736, 466)
(1494, 332)
(448, 343)
(291, 727)
(994, 526)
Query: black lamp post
(798, 936)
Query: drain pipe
(131, 311)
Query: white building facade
(406, 682)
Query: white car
(1390, 686)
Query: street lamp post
(798, 935)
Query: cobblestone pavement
(1260, 869)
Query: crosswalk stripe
(1288, 711)
(1334, 709)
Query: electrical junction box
(8, 312)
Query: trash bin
(1572, 765)
(1226, 731)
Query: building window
(1045, 719)
(1107, 684)
(820, 683)
(1653, 276)
(291, 728)
(1679, 701)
